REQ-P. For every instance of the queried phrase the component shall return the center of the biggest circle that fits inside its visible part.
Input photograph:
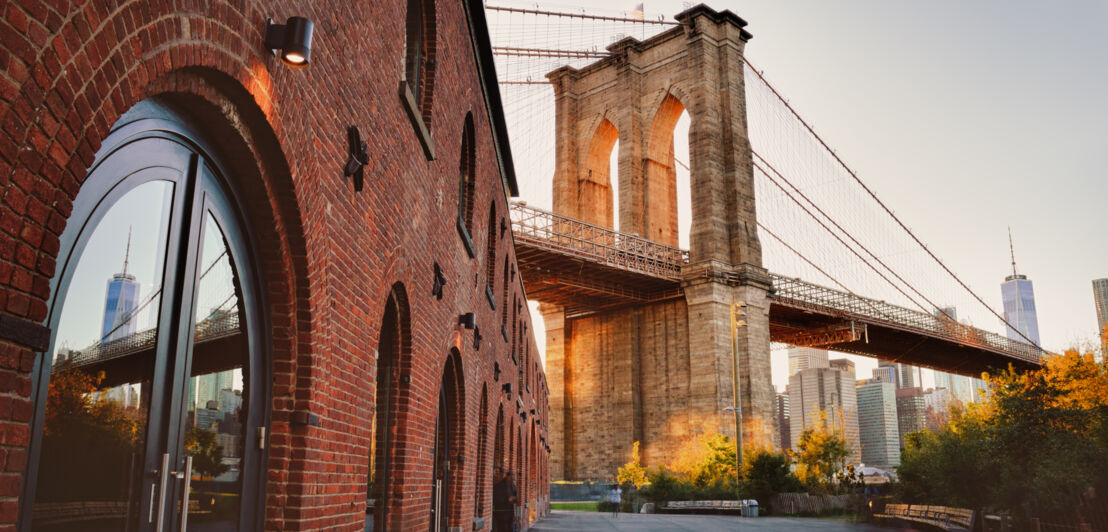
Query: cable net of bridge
(818, 220)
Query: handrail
(565, 235)
(795, 292)
(597, 244)
(210, 328)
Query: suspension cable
(883, 206)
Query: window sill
(416, 117)
(466, 240)
(490, 297)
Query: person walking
(503, 502)
(615, 496)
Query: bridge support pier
(715, 353)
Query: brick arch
(91, 72)
(661, 174)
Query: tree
(766, 473)
(90, 441)
(1035, 448)
(633, 472)
(207, 454)
(820, 454)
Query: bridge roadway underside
(585, 287)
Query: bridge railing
(596, 244)
(795, 292)
(211, 328)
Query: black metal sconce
(467, 320)
(507, 388)
(357, 158)
(293, 39)
(523, 416)
(440, 281)
(532, 411)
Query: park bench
(703, 506)
(944, 517)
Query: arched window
(504, 300)
(490, 256)
(165, 370)
(417, 88)
(467, 186)
(392, 346)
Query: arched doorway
(391, 347)
(449, 421)
(153, 394)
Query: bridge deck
(587, 269)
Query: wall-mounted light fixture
(356, 158)
(467, 320)
(507, 387)
(293, 39)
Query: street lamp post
(738, 442)
(737, 312)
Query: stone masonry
(662, 372)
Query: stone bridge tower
(661, 371)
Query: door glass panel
(215, 409)
(97, 404)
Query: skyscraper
(885, 373)
(1100, 298)
(911, 411)
(806, 357)
(783, 419)
(830, 390)
(120, 303)
(1022, 323)
(904, 376)
(877, 424)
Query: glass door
(146, 420)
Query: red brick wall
(329, 255)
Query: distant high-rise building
(1022, 323)
(911, 411)
(832, 391)
(783, 419)
(937, 403)
(885, 374)
(120, 302)
(909, 376)
(904, 376)
(961, 389)
(942, 379)
(1100, 298)
(806, 357)
(877, 424)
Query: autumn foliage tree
(821, 453)
(1039, 446)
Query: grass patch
(577, 506)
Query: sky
(965, 118)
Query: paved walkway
(564, 521)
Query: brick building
(295, 335)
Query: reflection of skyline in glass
(121, 301)
(88, 310)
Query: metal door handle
(188, 486)
(164, 477)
